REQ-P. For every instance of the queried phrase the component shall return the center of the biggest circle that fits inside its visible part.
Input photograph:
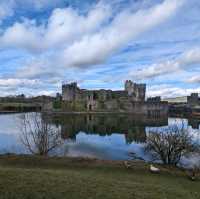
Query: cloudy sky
(99, 44)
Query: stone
(131, 100)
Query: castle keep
(131, 99)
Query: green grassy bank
(62, 178)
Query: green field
(62, 178)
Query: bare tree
(169, 145)
(38, 136)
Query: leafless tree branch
(38, 136)
(171, 144)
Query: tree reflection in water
(133, 128)
(42, 134)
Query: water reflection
(194, 123)
(111, 137)
(134, 129)
(105, 136)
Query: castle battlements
(131, 99)
(71, 92)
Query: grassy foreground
(62, 178)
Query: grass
(26, 177)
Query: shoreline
(169, 115)
(11, 159)
(173, 115)
(62, 113)
(84, 162)
(96, 112)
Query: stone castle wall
(131, 100)
(136, 92)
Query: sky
(99, 44)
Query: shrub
(170, 144)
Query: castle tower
(129, 87)
(136, 91)
(69, 91)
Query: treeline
(23, 99)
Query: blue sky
(99, 44)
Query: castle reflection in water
(133, 128)
(194, 123)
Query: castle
(131, 99)
(193, 100)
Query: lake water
(109, 137)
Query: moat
(110, 137)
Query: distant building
(131, 99)
(185, 106)
(176, 100)
(193, 99)
(136, 92)
(154, 99)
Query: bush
(37, 135)
(57, 104)
(170, 145)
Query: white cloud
(194, 79)
(38, 69)
(18, 83)
(31, 87)
(190, 57)
(46, 92)
(6, 9)
(184, 62)
(167, 91)
(74, 40)
(22, 35)
(70, 40)
(64, 26)
(124, 27)
(67, 25)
